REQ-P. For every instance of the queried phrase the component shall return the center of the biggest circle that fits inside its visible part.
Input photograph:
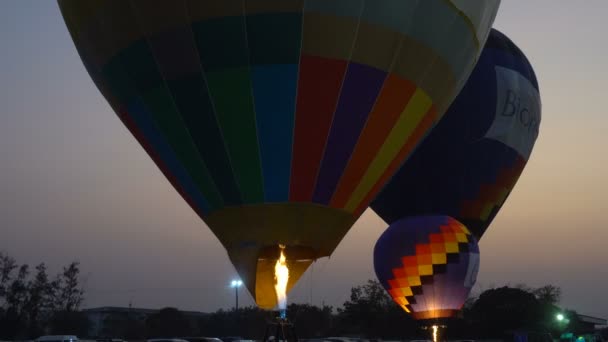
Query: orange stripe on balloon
(425, 125)
(395, 95)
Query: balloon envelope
(278, 120)
(471, 160)
(428, 264)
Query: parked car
(232, 339)
(57, 338)
(202, 339)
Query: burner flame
(281, 275)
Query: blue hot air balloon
(470, 162)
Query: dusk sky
(75, 184)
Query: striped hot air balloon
(278, 120)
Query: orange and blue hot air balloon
(471, 160)
(428, 265)
(278, 120)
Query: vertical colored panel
(231, 94)
(273, 6)
(318, 89)
(192, 99)
(436, 33)
(376, 46)
(274, 41)
(194, 200)
(274, 92)
(177, 59)
(153, 17)
(480, 17)
(221, 43)
(135, 73)
(141, 118)
(394, 14)
(117, 26)
(150, 140)
(204, 10)
(399, 136)
(328, 36)
(169, 122)
(139, 66)
(222, 47)
(118, 82)
(359, 92)
(394, 97)
(416, 137)
(175, 53)
(274, 38)
(345, 8)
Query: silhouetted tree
(30, 303)
(7, 266)
(248, 322)
(548, 294)
(13, 324)
(69, 291)
(67, 295)
(39, 301)
(9, 316)
(311, 321)
(506, 309)
(372, 313)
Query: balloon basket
(280, 329)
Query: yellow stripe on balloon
(409, 119)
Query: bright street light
(560, 317)
(236, 284)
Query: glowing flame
(281, 274)
(435, 328)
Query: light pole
(236, 284)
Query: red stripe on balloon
(318, 91)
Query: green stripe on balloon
(192, 98)
(172, 127)
(231, 94)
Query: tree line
(33, 303)
(369, 313)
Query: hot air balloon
(278, 120)
(470, 162)
(428, 265)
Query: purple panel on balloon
(360, 89)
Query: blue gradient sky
(74, 183)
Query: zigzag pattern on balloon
(431, 258)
